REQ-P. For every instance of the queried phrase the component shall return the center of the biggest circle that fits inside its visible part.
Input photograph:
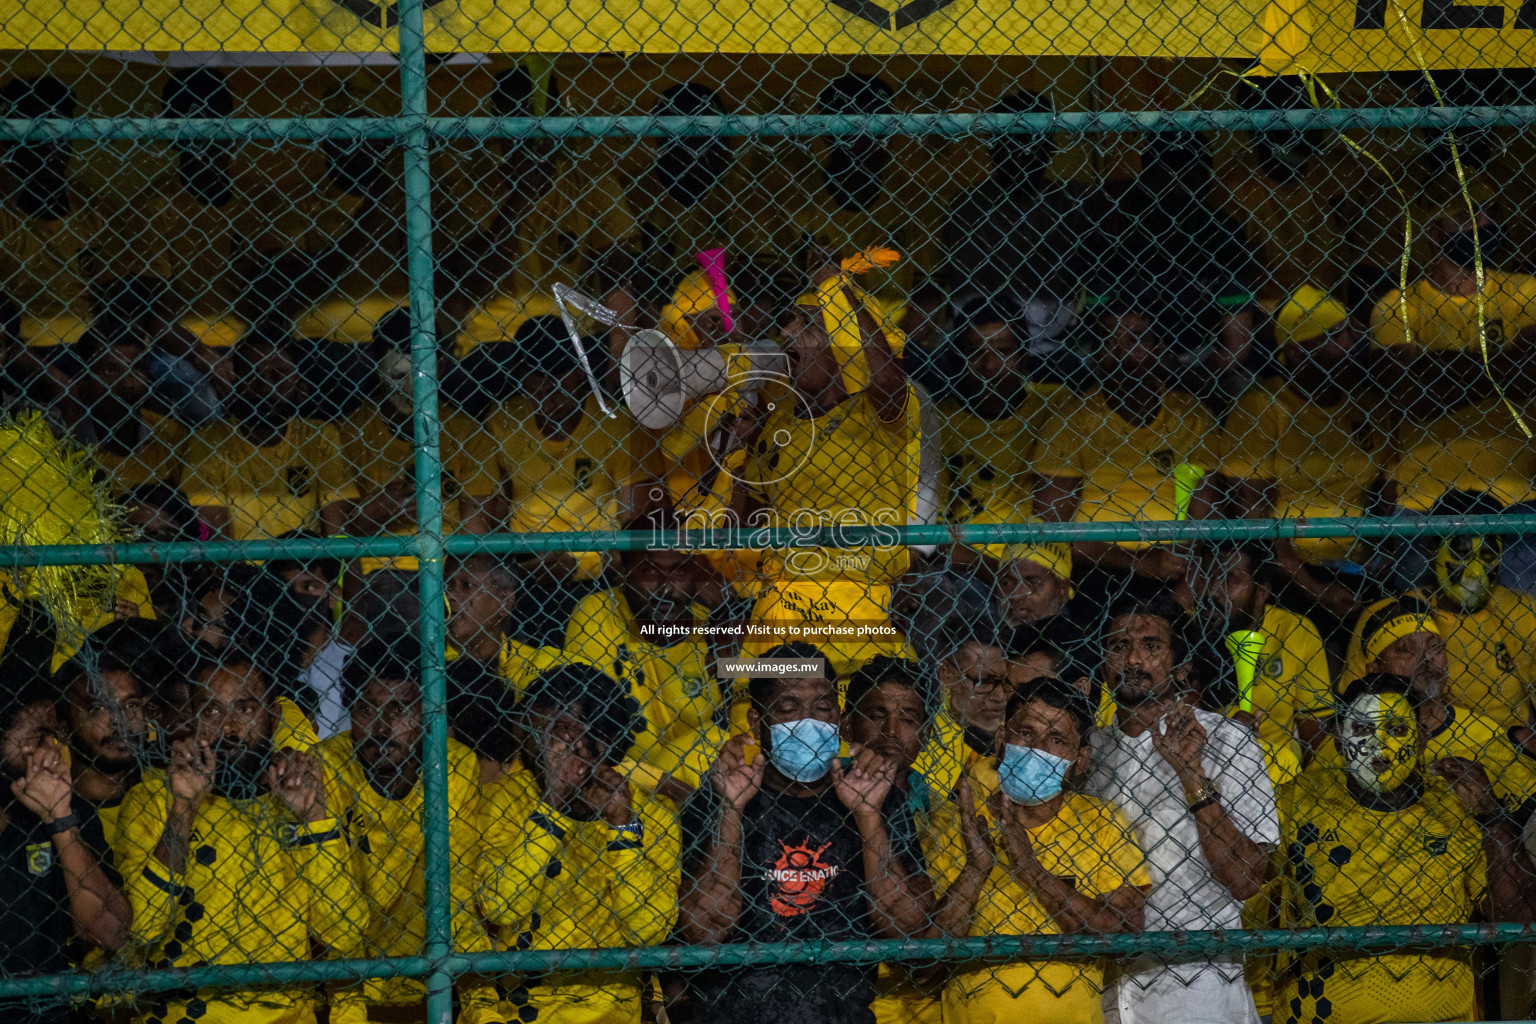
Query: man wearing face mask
(264, 470)
(233, 855)
(1196, 790)
(373, 785)
(786, 843)
(1404, 637)
(574, 855)
(1303, 445)
(1019, 851)
(1383, 842)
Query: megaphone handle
(581, 354)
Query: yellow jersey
(389, 864)
(512, 454)
(257, 888)
(586, 212)
(985, 459)
(1090, 842)
(550, 882)
(1469, 735)
(1439, 322)
(497, 319)
(1348, 865)
(948, 753)
(673, 682)
(1323, 461)
(1477, 447)
(845, 467)
(1127, 472)
(1491, 654)
(268, 490)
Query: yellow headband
(692, 297)
(1394, 630)
(1309, 313)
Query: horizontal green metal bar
(758, 538)
(1066, 122)
(993, 948)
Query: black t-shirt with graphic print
(802, 879)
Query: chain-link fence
(669, 512)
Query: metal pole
(429, 509)
(1514, 523)
(1070, 122)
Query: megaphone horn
(659, 379)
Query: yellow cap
(1055, 557)
(694, 295)
(1309, 313)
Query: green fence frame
(416, 130)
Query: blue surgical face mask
(803, 750)
(1031, 776)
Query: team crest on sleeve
(39, 858)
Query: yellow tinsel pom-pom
(49, 494)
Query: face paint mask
(803, 750)
(1031, 776)
(1374, 757)
(1466, 568)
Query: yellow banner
(1319, 35)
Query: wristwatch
(1208, 794)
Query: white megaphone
(659, 379)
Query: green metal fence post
(429, 509)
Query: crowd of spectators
(1007, 738)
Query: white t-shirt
(1185, 895)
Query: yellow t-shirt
(1477, 447)
(1322, 461)
(551, 882)
(268, 490)
(1293, 678)
(1346, 865)
(1448, 323)
(846, 467)
(1492, 655)
(946, 756)
(517, 664)
(1089, 841)
(1127, 472)
(389, 866)
(984, 459)
(498, 318)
